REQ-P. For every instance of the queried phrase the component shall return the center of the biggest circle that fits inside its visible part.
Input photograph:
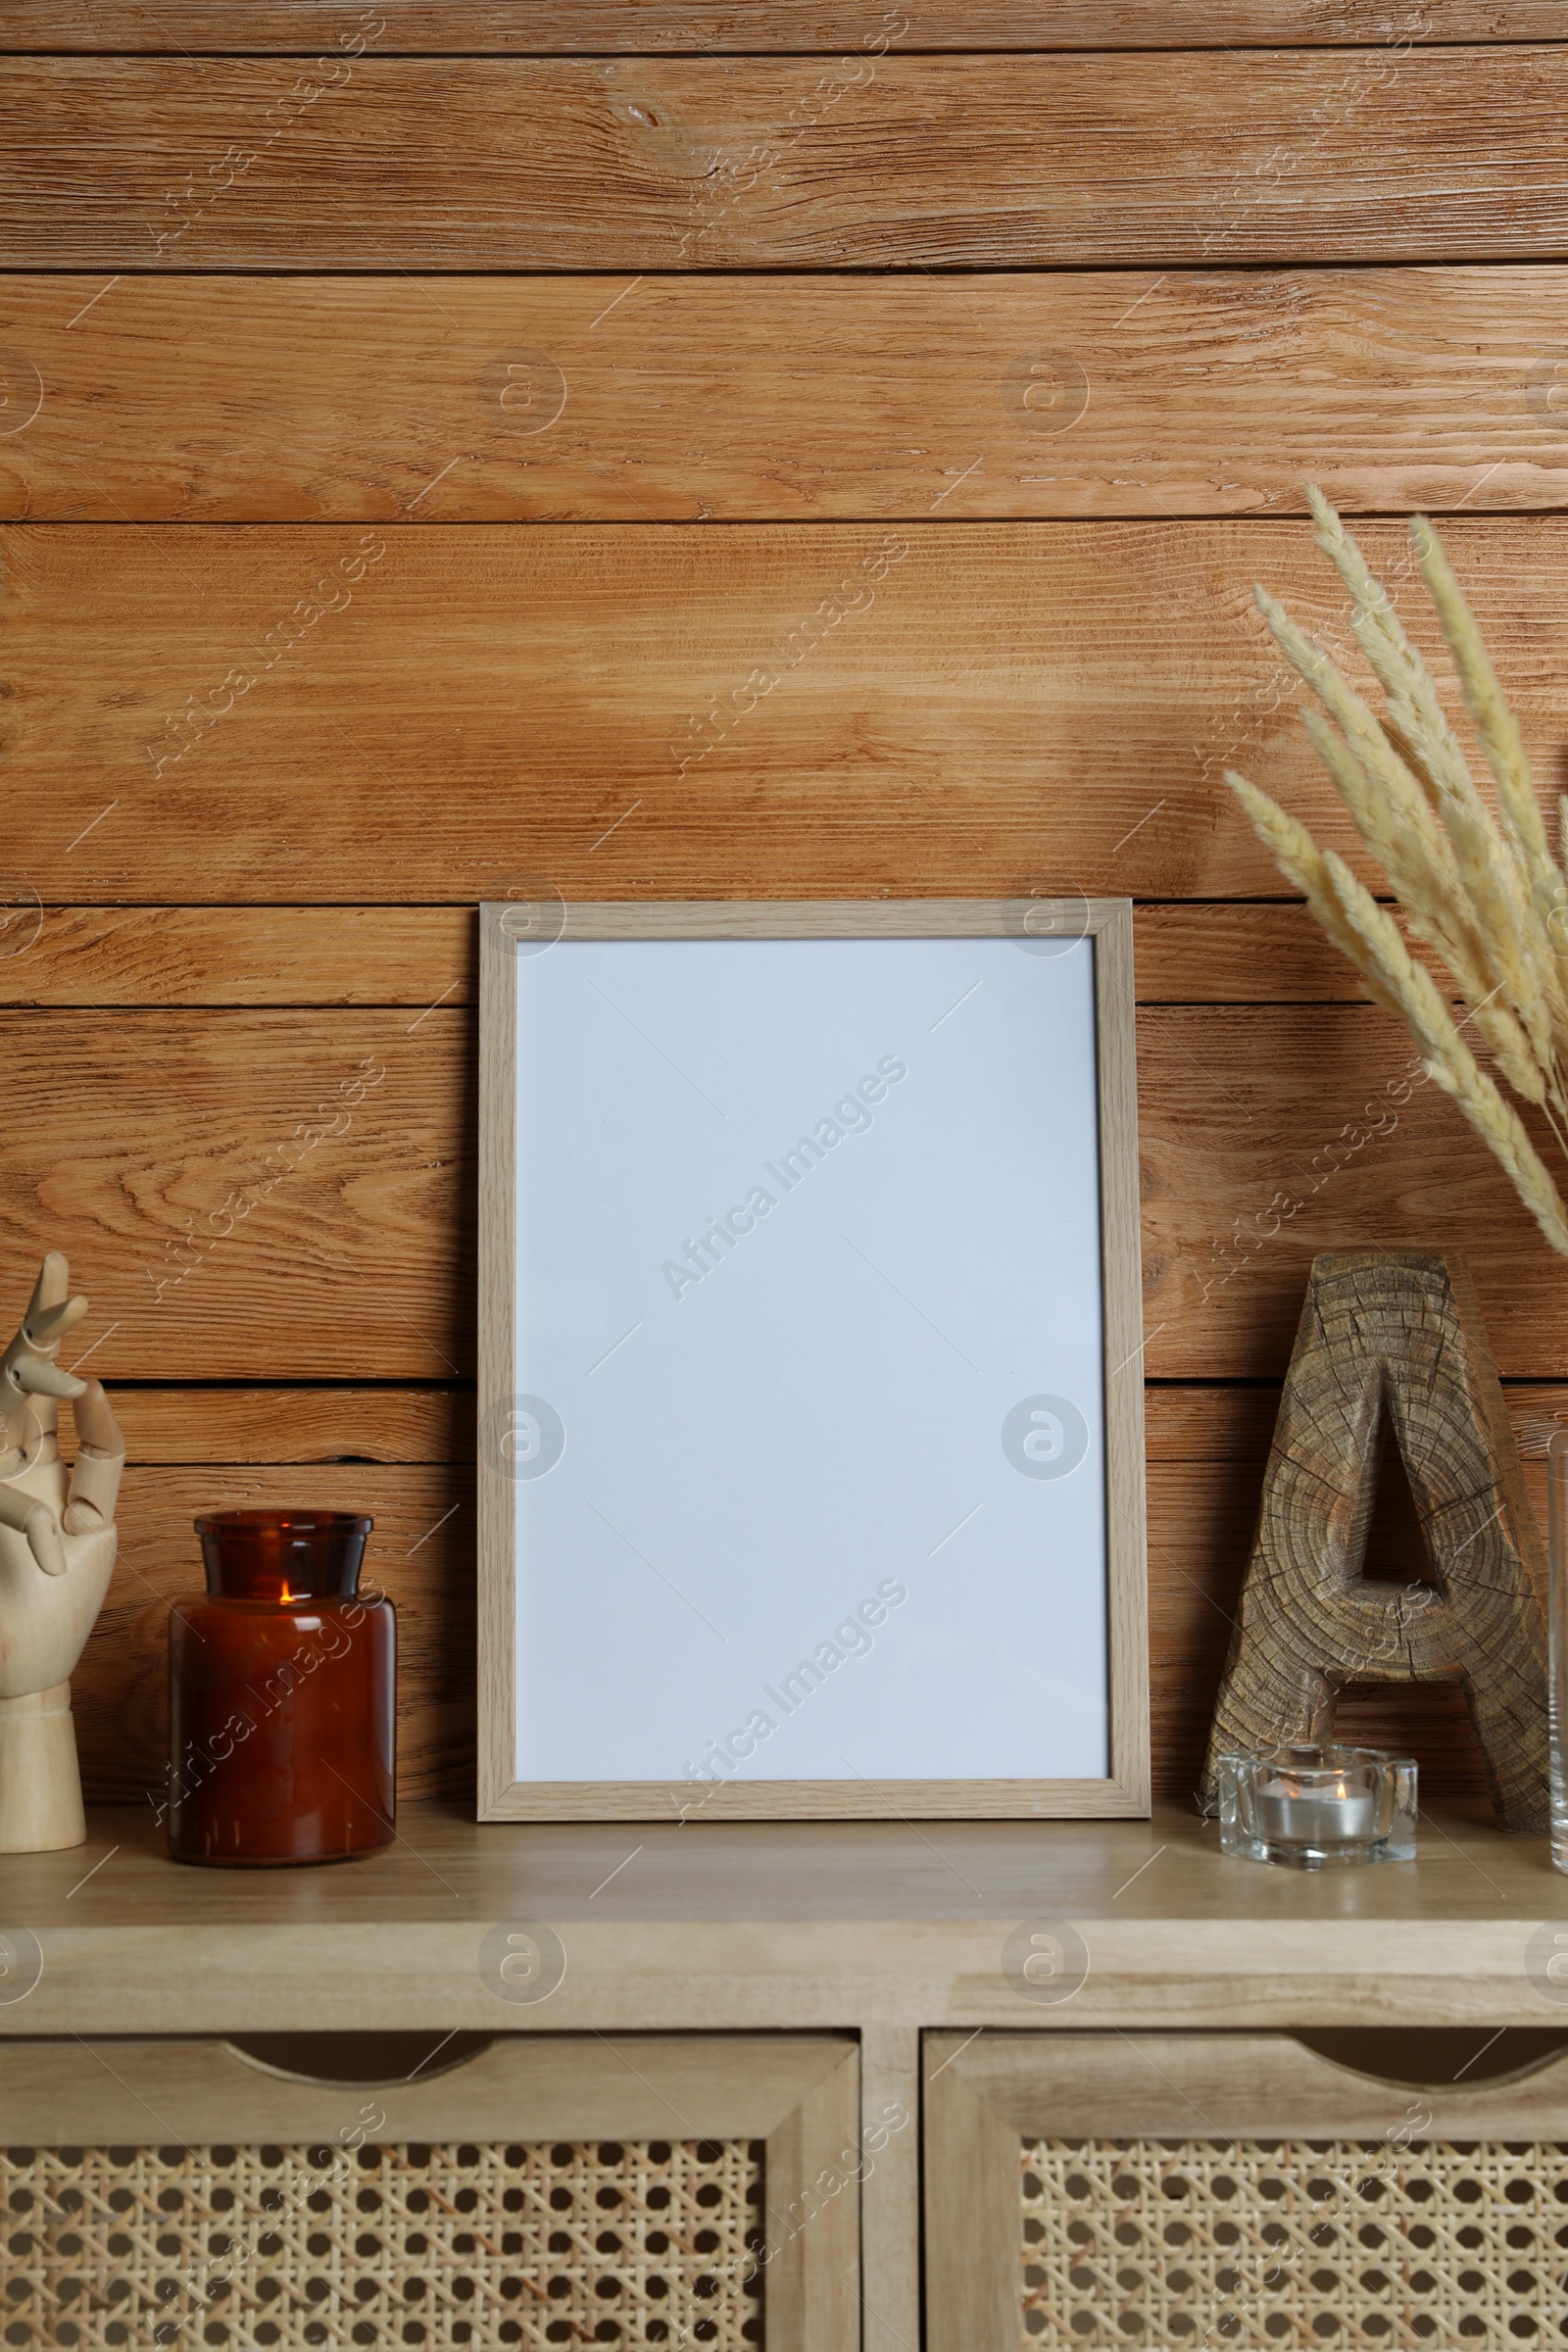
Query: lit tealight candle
(1311, 1807)
(1314, 1809)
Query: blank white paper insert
(809, 1301)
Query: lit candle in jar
(1314, 1808)
(282, 1695)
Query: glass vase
(281, 1698)
(1557, 1502)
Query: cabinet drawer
(1168, 2189)
(549, 2191)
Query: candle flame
(1340, 1789)
(286, 1594)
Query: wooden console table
(856, 1940)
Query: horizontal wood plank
(1206, 1447)
(333, 1422)
(235, 1210)
(1186, 1422)
(1245, 2087)
(1214, 157)
(417, 956)
(713, 397)
(542, 2088)
(426, 956)
(686, 27)
(459, 711)
(1269, 1133)
(1219, 954)
(259, 1195)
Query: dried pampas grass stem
(1481, 890)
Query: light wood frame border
(1126, 1790)
(982, 2097)
(799, 2096)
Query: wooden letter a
(1392, 1341)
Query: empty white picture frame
(811, 1369)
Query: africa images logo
(1045, 1437)
(849, 1115)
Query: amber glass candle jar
(281, 1710)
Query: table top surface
(445, 1866)
(706, 1927)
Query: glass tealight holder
(1317, 1808)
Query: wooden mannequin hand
(57, 1544)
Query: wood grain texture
(421, 956)
(813, 2211)
(1239, 1195)
(1029, 706)
(693, 1885)
(219, 1241)
(1201, 1522)
(1391, 1355)
(196, 1163)
(335, 1422)
(1217, 954)
(714, 1931)
(543, 2086)
(691, 398)
(716, 26)
(889, 2192)
(1126, 1535)
(497, 1510)
(973, 2269)
(999, 709)
(418, 956)
(1208, 1448)
(1265, 2087)
(40, 1781)
(1261, 2086)
(1206, 157)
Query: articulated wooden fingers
(27, 1369)
(51, 1310)
(100, 1459)
(52, 1288)
(53, 1322)
(37, 1522)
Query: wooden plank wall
(416, 425)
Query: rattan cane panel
(1292, 2243)
(627, 2243)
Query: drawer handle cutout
(358, 2061)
